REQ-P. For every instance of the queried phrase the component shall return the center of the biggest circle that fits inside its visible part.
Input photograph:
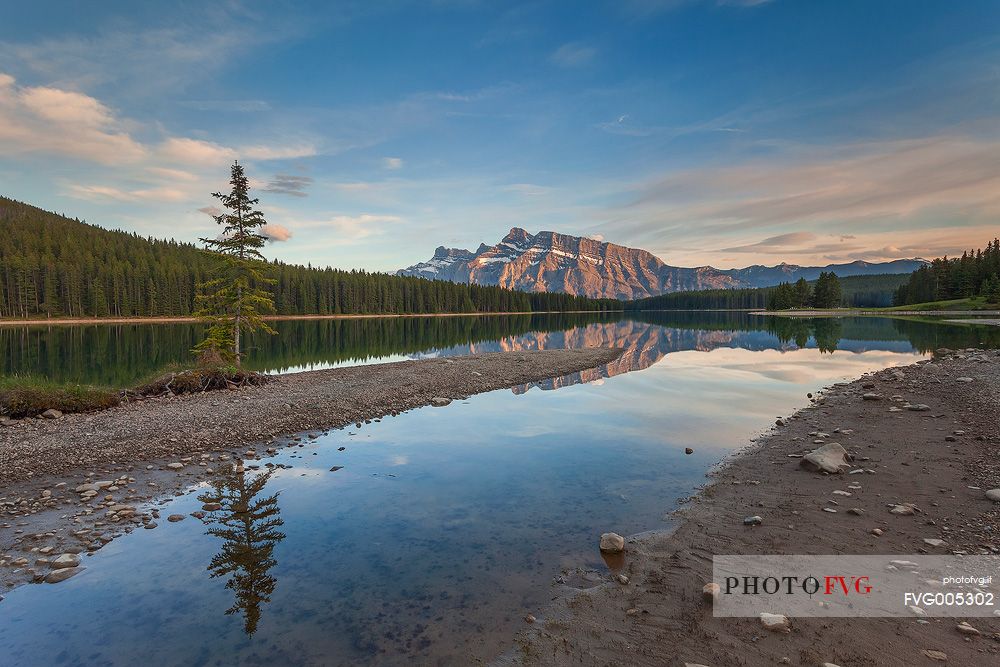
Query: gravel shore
(295, 402)
(941, 454)
(72, 485)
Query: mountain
(552, 262)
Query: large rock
(831, 458)
(64, 561)
(440, 401)
(56, 576)
(612, 543)
(52, 413)
(775, 622)
(994, 495)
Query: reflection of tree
(827, 332)
(248, 527)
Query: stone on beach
(775, 622)
(831, 458)
(994, 495)
(64, 561)
(612, 543)
(63, 574)
(440, 402)
(710, 591)
(52, 413)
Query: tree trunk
(236, 325)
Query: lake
(443, 527)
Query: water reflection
(121, 354)
(248, 526)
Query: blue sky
(708, 132)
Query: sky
(709, 132)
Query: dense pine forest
(856, 292)
(54, 266)
(975, 274)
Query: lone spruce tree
(235, 299)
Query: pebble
(753, 521)
(940, 656)
(994, 495)
(710, 591)
(967, 629)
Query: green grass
(974, 303)
(27, 396)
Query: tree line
(55, 266)
(825, 293)
(975, 274)
(856, 292)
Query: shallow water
(445, 526)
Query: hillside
(858, 292)
(54, 266)
(548, 261)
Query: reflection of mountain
(249, 528)
(643, 345)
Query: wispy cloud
(289, 184)
(392, 163)
(573, 54)
(780, 242)
(242, 106)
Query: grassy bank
(29, 396)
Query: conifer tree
(235, 299)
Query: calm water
(445, 526)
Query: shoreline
(867, 312)
(942, 459)
(75, 483)
(187, 319)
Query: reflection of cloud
(400, 460)
(392, 163)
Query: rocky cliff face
(551, 262)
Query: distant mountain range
(552, 262)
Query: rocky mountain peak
(553, 262)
